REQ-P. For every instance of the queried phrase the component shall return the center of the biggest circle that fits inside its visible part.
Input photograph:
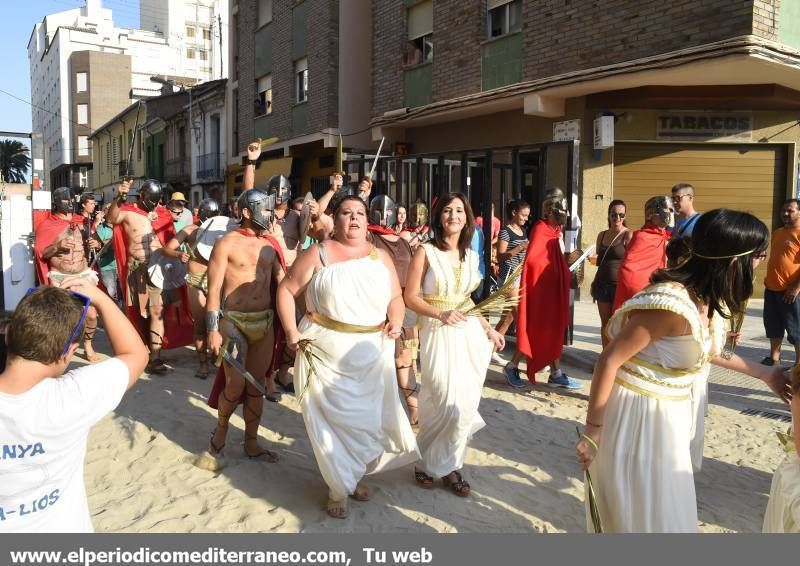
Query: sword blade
(235, 364)
(377, 155)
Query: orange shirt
(784, 259)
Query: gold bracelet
(591, 442)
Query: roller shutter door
(751, 178)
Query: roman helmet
(208, 207)
(383, 211)
(281, 187)
(662, 206)
(261, 206)
(555, 203)
(150, 195)
(418, 215)
(63, 200)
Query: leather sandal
(423, 480)
(460, 486)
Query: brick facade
(322, 53)
(559, 36)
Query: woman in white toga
(455, 349)
(640, 420)
(345, 376)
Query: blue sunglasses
(86, 302)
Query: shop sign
(567, 130)
(702, 126)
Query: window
(203, 54)
(419, 48)
(83, 113)
(189, 31)
(206, 33)
(83, 145)
(505, 16)
(83, 177)
(264, 12)
(190, 52)
(264, 101)
(81, 82)
(108, 156)
(301, 82)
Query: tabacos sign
(699, 126)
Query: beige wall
(106, 178)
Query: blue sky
(16, 25)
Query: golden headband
(691, 253)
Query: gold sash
(330, 324)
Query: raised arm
(217, 266)
(291, 287)
(125, 341)
(115, 215)
(253, 153)
(336, 183)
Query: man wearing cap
(140, 229)
(181, 216)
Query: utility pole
(221, 56)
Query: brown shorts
(408, 341)
(141, 293)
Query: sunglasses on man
(86, 301)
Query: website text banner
(394, 550)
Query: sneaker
(512, 376)
(565, 381)
(498, 359)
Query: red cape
(49, 228)
(544, 305)
(646, 252)
(280, 343)
(177, 320)
(378, 229)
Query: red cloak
(279, 345)
(48, 229)
(544, 305)
(177, 320)
(646, 252)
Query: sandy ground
(140, 476)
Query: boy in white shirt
(46, 414)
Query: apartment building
(78, 58)
(111, 144)
(300, 72)
(610, 99)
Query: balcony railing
(176, 168)
(208, 167)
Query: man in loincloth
(61, 248)
(382, 215)
(139, 230)
(184, 247)
(244, 271)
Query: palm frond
(594, 511)
(305, 348)
(501, 300)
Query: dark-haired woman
(512, 244)
(638, 425)
(348, 391)
(610, 249)
(454, 349)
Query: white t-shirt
(43, 444)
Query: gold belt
(448, 302)
(648, 393)
(330, 324)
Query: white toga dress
(350, 403)
(453, 360)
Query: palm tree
(14, 161)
